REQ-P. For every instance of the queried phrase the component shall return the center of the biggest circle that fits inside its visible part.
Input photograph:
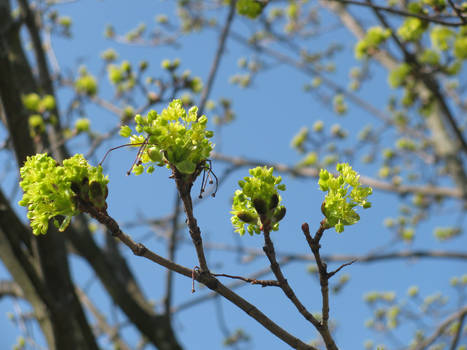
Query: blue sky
(268, 115)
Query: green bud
(279, 213)
(65, 21)
(31, 102)
(82, 125)
(143, 65)
(47, 103)
(155, 154)
(109, 55)
(125, 131)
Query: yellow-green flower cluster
(174, 137)
(344, 193)
(250, 8)
(42, 107)
(257, 203)
(86, 84)
(50, 190)
(374, 37)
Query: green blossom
(36, 124)
(318, 126)
(31, 101)
(82, 125)
(256, 204)
(460, 47)
(65, 21)
(412, 29)
(441, 38)
(51, 190)
(109, 55)
(430, 57)
(174, 138)
(86, 84)
(344, 193)
(397, 76)
(196, 85)
(309, 160)
(299, 139)
(445, 233)
(374, 37)
(34, 102)
(47, 103)
(250, 8)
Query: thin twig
(112, 332)
(314, 244)
(264, 283)
(428, 190)
(237, 284)
(457, 11)
(460, 329)
(172, 246)
(288, 291)
(205, 278)
(402, 12)
(441, 328)
(330, 274)
(217, 57)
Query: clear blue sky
(268, 115)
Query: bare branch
(217, 57)
(330, 274)
(102, 325)
(172, 246)
(321, 327)
(314, 244)
(441, 328)
(12, 289)
(428, 190)
(203, 277)
(402, 13)
(264, 283)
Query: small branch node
(140, 249)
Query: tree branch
(203, 277)
(173, 237)
(10, 288)
(314, 244)
(217, 57)
(400, 12)
(102, 325)
(321, 327)
(441, 328)
(428, 190)
(264, 283)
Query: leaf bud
(75, 187)
(274, 201)
(260, 205)
(95, 190)
(279, 214)
(246, 217)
